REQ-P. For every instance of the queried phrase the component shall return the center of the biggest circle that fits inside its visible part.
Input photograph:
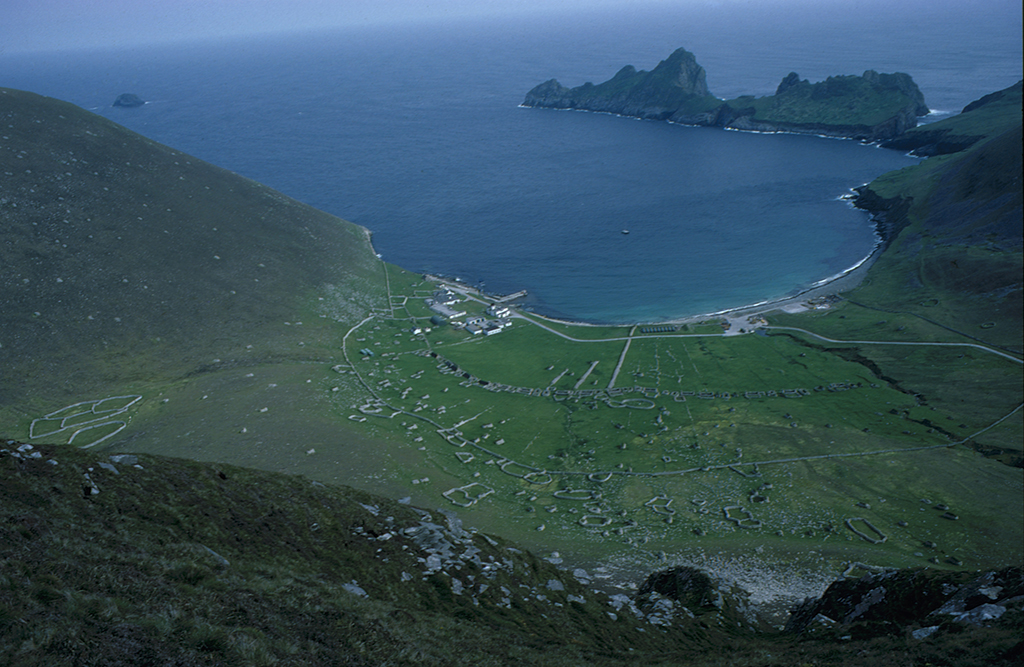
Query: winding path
(893, 342)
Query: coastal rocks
(888, 215)
(891, 602)
(129, 100)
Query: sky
(55, 25)
(48, 25)
(58, 25)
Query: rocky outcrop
(888, 215)
(920, 601)
(128, 100)
(870, 107)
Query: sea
(416, 132)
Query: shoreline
(844, 281)
(781, 128)
(841, 282)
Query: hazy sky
(32, 25)
(48, 25)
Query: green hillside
(147, 261)
(955, 220)
(129, 267)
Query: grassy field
(703, 444)
(659, 463)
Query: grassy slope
(129, 267)
(116, 245)
(204, 564)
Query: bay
(415, 132)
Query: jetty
(511, 297)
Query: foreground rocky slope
(896, 601)
(871, 107)
(116, 560)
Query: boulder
(696, 594)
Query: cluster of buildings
(445, 303)
(823, 302)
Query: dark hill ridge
(984, 117)
(117, 560)
(118, 251)
(954, 241)
(871, 107)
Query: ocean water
(415, 132)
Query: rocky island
(129, 100)
(870, 107)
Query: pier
(511, 297)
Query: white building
(500, 311)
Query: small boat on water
(625, 231)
